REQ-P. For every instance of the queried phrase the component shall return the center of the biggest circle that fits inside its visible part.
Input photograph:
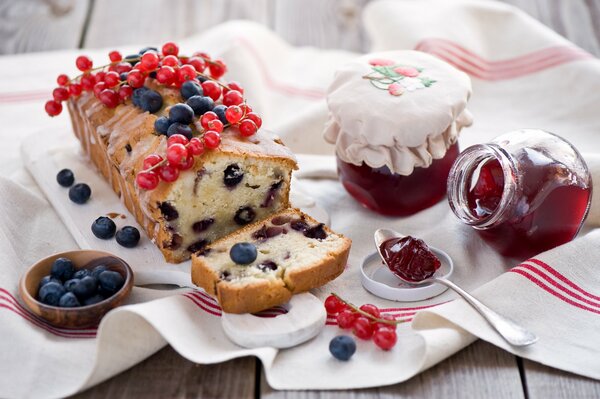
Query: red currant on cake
(212, 139)
(170, 48)
(147, 180)
(115, 56)
(247, 128)
(83, 63)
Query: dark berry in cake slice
(244, 215)
(65, 178)
(203, 225)
(271, 194)
(168, 211)
(104, 227)
(128, 236)
(232, 175)
(198, 246)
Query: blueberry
(267, 265)
(110, 281)
(152, 74)
(65, 178)
(197, 246)
(168, 211)
(128, 236)
(200, 104)
(123, 76)
(220, 111)
(244, 215)
(317, 232)
(69, 300)
(47, 279)
(162, 124)
(136, 97)
(93, 300)
(80, 193)
(132, 58)
(104, 227)
(201, 78)
(232, 175)
(190, 88)
(50, 293)
(243, 253)
(202, 225)
(146, 49)
(85, 288)
(97, 270)
(70, 284)
(81, 273)
(151, 101)
(179, 128)
(62, 269)
(181, 113)
(342, 347)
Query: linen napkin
(40, 361)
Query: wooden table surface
(479, 371)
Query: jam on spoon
(409, 258)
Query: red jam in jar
(525, 192)
(395, 195)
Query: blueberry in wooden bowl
(76, 289)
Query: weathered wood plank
(38, 25)
(479, 371)
(544, 382)
(157, 21)
(168, 375)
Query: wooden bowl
(83, 316)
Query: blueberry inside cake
(266, 262)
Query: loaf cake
(294, 253)
(243, 178)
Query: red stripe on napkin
(480, 68)
(203, 304)
(562, 278)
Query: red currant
(60, 94)
(362, 327)
(75, 89)
(345, 318)
(202, 55)
(211, 89)
(212, 139)
(100, 76)
(187, 163)
(170, 48)
(246, 108)
(115, 56)
(198, 63)
(370, 309)
(254, 118)
(385, 325)
(385, 338)
(112, 79)
(234, 86)
(62, 80)
(166, 75)
(109, 97)
(217, 69)
(207, 117)
(168, 173)
(170, 60)
(147, 180)
(135, 79)
(87, 82)
(177, 139)
(98, 87)
(333, 305)
(196, 147)
(53, 108)
(151, 160)
(186, 72)
(176, 154)
(125, 92)
(215, 125)
(232, 97)
(247, 128)
(150, 60)
(83, 63)
(123, 67)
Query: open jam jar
(395, 118)
(385, 192)
(525, 192)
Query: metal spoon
(509, 330)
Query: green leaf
(427, 81)
(386, 71)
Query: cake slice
(294, 253)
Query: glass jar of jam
(395, 118)
(525, 192)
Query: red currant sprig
(180, 156)
(365, 321)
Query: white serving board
(46, 152)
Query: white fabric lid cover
(401, 109)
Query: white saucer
(379, 280)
